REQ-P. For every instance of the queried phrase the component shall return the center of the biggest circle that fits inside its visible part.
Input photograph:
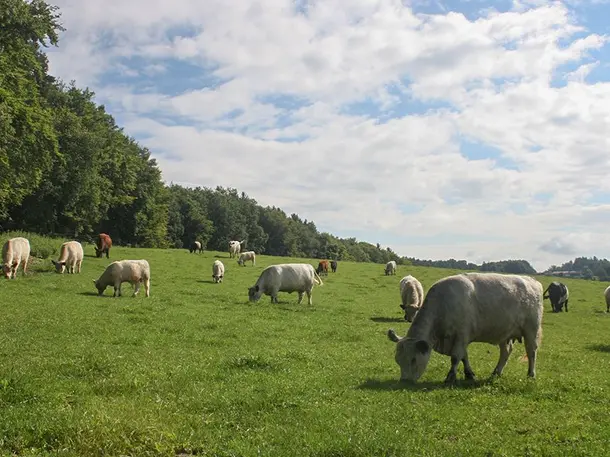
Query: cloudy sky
(463, 128)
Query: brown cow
(103, 244)
(322, 267)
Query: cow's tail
(317, 279)
(544, 295)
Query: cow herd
(457, 310)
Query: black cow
(558, 293)
(333, 266)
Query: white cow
(390, 268)
(607, 296)
(235, 248)
(71, 255)
(218, 271)
(135, 272)
(285, 277)
(245, 256)
(412, 296)
(14, 252)
(472, 307)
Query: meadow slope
(197, 369)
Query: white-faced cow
(135, 272)
(558, 294)
(285, 277)
(412, 296)
(245, 256)
(71, 256)
(472, 307)
(235, 248)
(390, 268)
(15, 252)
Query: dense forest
(67, 169)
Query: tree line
(67, 169)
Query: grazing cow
(558, 293)
(472, 307)
(14, 252)
(607, 297)
(333, 265)
(285, 277)
(218, 271)
(245, 256)
(412, 296)
(390, 268)
(235, 248)
(195, 247)
(103, 244)
(70, 255)
(322, 267)
(135, 272)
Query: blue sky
(465, 129)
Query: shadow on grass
(94, 294)
(393, 384)
(207, 281)
(599, 348)
(388, 319)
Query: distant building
(566, 274)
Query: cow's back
(15, 248)
(486, 307)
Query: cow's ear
(422, 346)
(393, 336)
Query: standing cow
(322, 267)
(412, 296)
(333, 265)
(218, 271)
(103, 244)
(390, 268)
(285, 277)
(472, 307)
(15, 252)
(70, 255)
(196, 246)
(235, 248)
(607, 297)
(558, 294)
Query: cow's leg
(25, 264)
(468, 373)
(108, 253)
(505, 350)
(117, 291)
(452, 375)
(608, 307)
(79, 264)
(566, 306)
(147, 287)
(136, 288)
(531, 347)
(301, 293)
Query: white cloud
(497, 76)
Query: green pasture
(198, 370)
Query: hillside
(198, 370)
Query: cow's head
(411, 355)
(98, 252)
(99, 287)
(254, 293)
(410, 312)
(59, 266)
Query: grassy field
(198, 370)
